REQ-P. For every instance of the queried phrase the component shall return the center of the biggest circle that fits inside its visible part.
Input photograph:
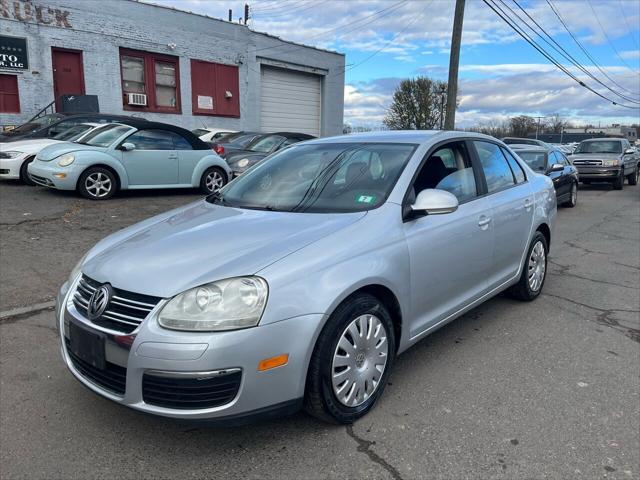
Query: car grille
(112, 378)
(588, 162)
(190, 393)
(125, 311)
(4, 171)
(45, 182)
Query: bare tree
(417, 105)
(555, 124)
(522, 125)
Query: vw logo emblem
(99, 301)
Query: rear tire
(618, 183)
(633, 177)
(97, 183)
(213, 179)
(24, 174)
(352, 371)
(534, 271)
(573, 197)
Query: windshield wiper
(216, 198)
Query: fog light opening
(273, 362)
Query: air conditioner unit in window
(137, 99)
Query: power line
(502, 14)
(561, 50)
(608, 39)
(300, 7)
(280, 6)
(584, 50)
(629, 30)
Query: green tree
(417, 105)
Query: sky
(501, 75)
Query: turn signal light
(273, 362)
(60, 175)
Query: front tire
(534, 272)
(97, 183)
(24, 174)
(633, 177)
(618, 183)
(351, 361)
(573, 197)
(213, 179)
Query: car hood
(201, 243)
(238, 155)
(590, 156)
(53, 151)
(32, 146)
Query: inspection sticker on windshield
(365, 199)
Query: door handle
(484, 222)
(173, 156)
(528, 203)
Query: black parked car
(233, 142)
(261, 147)
(48, 126)
(554, 163)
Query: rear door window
(152, 140)
(494, 164)
(518, 173)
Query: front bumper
(598, 173)
(10, 167)
(47, 174)
(152, 351)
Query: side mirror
(435, 202)
(556, 167)
(629, 151)
(127, 146)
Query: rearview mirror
(127, 146)
(435, 202)
(629, 151)
(556, 167)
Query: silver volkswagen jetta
(300, 282)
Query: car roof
(606, 139)
(403, 136)
(142, 124)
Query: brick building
(164, 64)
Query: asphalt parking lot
(548, 389)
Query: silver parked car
(135, 154)
(301, 281)
(607, 160)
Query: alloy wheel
(359, 360)
(214, 181)
(537, 266)
(98, 185)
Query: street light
(443, 92)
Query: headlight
(76, 270)
(243, 163)
(10, 154)
(224, 305)
(610, 163)
(66, 159)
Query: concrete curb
(22, 310)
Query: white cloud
(630, 54)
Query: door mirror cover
(435, 202)
(629, 151)
(127, 146)
(556, 167)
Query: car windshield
(73, 133)
(601, 146)
(536, 160)
(35, 124)
(105, 136)
(321, 178)
(265, 144)
(241, 141)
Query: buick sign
(13, 53)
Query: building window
(9, 97)
(154, 75)
(215, 89)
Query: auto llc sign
(13, 53)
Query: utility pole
(538, 126)
(443, 91)
(454, 61)
(246, 13)
(230, 15)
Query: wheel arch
(206, 162)
(546, 231)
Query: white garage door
(290, 101)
